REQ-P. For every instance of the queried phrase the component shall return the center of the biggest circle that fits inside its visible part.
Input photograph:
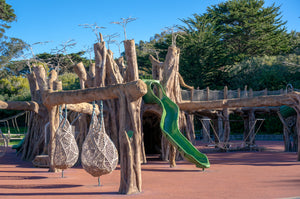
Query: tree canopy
(247, 28)
(9, 47)
(7, 15)
(213, 43)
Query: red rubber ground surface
(269, 174)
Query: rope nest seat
(99, 155)
(66, 150)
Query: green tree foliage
(70, 81)
(59, 62)
(202, 52)
(272, 72)
(9, 47)
(14, 88)
(247, 28)
(213, 43)
(157, 47)
(63, 63)
(296, 42)
(7, 15)
(229, 33)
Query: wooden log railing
(210, 95)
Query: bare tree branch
(94, 28)
(123, 23)
(174, 30)
(110, 38)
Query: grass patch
(14, 142)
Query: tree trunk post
(246, 127)
(251, 126)
(130, 120)
(298, 132)
(297, 109)
(206, 129)
(226, 118)
(220, 127)
(100, 62)
(207, 94)
(54, 122)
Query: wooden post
(130, 120)
(298, 130)
(226, 118)
(226, 124)
(225, 92)
(238, 93)
(286, 133)
(251, 123)
(266, 91)
(246, 127)
(251, 92)
(206, 129)
(207, 93)
(245, 92)
(100, 63)
(220, 127)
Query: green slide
(169, 126)
(287, 111)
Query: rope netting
(66, 150)
(99, 155)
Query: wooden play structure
(125, 114)
(123, 95)
(279, 104)
(220, 125)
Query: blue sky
(58, 20)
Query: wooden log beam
(84, 108)
(136, 89)
(261, 101)
(20, 105)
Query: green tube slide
(169, 125)
(287, 111)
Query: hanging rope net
(66, 150)
(99, 155)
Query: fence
(10, 126)
(210, 95)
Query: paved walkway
(269, 174)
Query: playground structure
(287, 115)
(11, 123)
(121, 90)
(247, 104)
(47, 95)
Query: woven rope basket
(99, 155)
(66, 150)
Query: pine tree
(247, 28)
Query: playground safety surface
(268, 174)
